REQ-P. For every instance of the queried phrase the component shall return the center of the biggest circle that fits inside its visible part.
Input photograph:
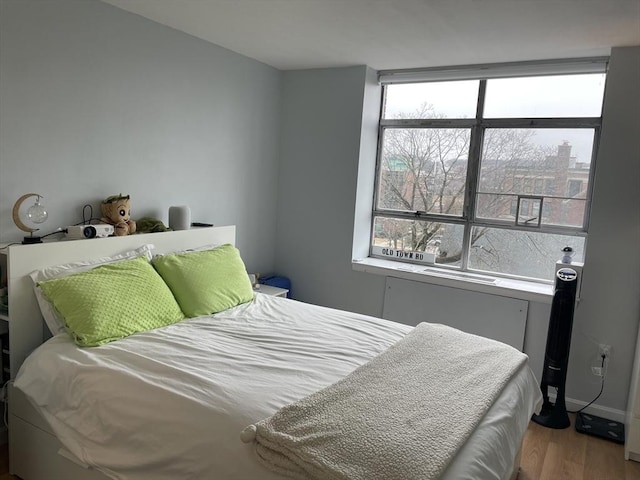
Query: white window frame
(478, 125)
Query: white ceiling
(393, 34)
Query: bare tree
(424, 171)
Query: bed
(175, 401)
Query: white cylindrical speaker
(179, 217)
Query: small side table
(274, 291)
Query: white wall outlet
(605, 350)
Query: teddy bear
(116, 211)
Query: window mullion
(430, 123)
(429, 217)
(568, 122)
(473, 168)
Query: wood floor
(547, 454)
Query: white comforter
(420, 399)
(171, 403)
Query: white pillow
(201, 248)
(52, 318)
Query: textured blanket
(403, 415)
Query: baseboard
(631, 456)
(594, 409)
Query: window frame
(478, 126)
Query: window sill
(523, 290)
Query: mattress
(171, 403)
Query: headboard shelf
(26, 326)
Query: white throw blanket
(403, 415)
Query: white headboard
(26, 326)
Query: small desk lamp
(36, 213)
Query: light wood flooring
(547, 454)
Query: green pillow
(112, 301)
(206, 282)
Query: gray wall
(610, 309)
(96, 101)
(322, 119)
(326, 146)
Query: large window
(484, 174)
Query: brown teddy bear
(116, 211)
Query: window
(490, 174)
(575, 188)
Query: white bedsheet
(171, 403)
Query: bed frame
(34, 451)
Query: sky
(535, 97)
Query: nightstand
(274, 291)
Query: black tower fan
(556, 357)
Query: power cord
(601, 386)
(4, 397)
(59, 230)
(86, 220)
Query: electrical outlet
(604, 350)
(597, 371)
